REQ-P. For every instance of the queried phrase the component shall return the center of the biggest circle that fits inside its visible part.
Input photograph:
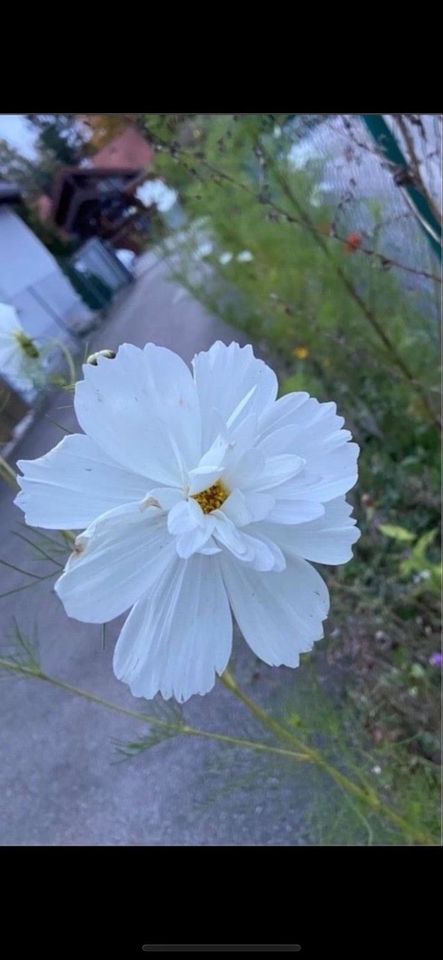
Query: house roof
(128, 149)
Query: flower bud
(93, 357)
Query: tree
(58, 134)
(15, 168)
(60, 142)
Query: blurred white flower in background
(19, 356)
(199, 494)
(277, 132)
(203, 250)
(316, 198)
(301, 154)
(225, 257)
(155, 191)
(245, 256)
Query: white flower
(316, 198)
(156, 191)
(225, 257)
(301, 154)
(245, 256)
(200, 494)
(19, 357)
(277, 132)
(203, 250)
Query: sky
(15, 130)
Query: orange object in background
(353, 242)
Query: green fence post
(388, 145)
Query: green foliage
(165, 720)
(59, 143)
(344, 326)
(428, 573)
(397, 533)
(14, 168)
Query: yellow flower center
(212, 498)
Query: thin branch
(267, 201)
(358, 299)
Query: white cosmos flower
(245, 256)
(19, 357)
(201, 493)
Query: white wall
(31, 280)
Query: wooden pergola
(100, 202)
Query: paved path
(59, 783)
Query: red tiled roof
(128, 149)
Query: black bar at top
(222, 947)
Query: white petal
(294, 511)
(243, 508)
(163, 497)
(120, 554)
(9, 322)
(210, 548)
(282, 412)
(327, 539)
(74, 483)
(258, 551)
(277, 442)
(267, 555)
(279, 614)
(330, 474)
(240, 438)
(201, 478)
(277, 470)
(179, 635)
(19, 368)
(185, 516)
(254, 472)
(224, 376)
(235, 418)
(142, 409)
(10, 355)
(236, 509)
(192, 541)
(230, 537)
(259, 504)
(312, 430)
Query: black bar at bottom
(221, 947)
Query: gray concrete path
(59, 782)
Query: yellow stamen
(27, 345)
(212, 498)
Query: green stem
(8, 474)
(36, 674)
(366, 796)
(70, 363)
(303, 752)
